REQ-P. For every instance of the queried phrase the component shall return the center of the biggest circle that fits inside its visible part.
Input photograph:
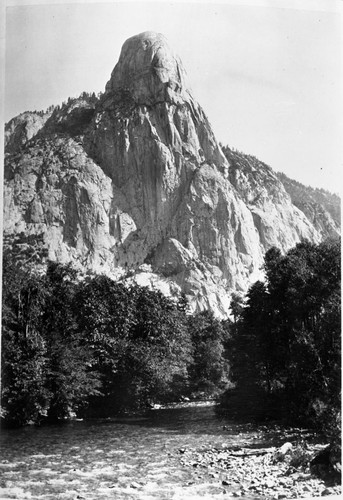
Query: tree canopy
(288, 337)
(93, 346)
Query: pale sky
(268, 78)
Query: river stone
(135, 485)
(326, 492)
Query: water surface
(123, 458)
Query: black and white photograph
(171, 253)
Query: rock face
(135, 183)
(22, 128)
(323, 209)
(55, 191)
(279, 222)
(149, 72)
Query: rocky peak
(149, 71)
(22, 128)
(135, 184)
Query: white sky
(268, 78)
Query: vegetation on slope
(93, 346)
(312, 199)
(322, 208)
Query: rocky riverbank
(269, 473)
(186, 452)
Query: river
(138, 457)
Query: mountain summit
(149, 71)
(135, 185)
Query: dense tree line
(286, 338)
(93, 347)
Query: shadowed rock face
(143, 186)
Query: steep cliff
(323, 209)
(278, 220)
(54, 190)
(134, 184)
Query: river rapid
(136, 457)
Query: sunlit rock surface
(134, 184)
(22, 128)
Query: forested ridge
(93, 347)
(302, 195)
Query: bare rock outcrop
(55, 191)
(322, 209)
(279, 222)
(149, 72)
(22, 128)
(135, 184)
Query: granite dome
(149, 70)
